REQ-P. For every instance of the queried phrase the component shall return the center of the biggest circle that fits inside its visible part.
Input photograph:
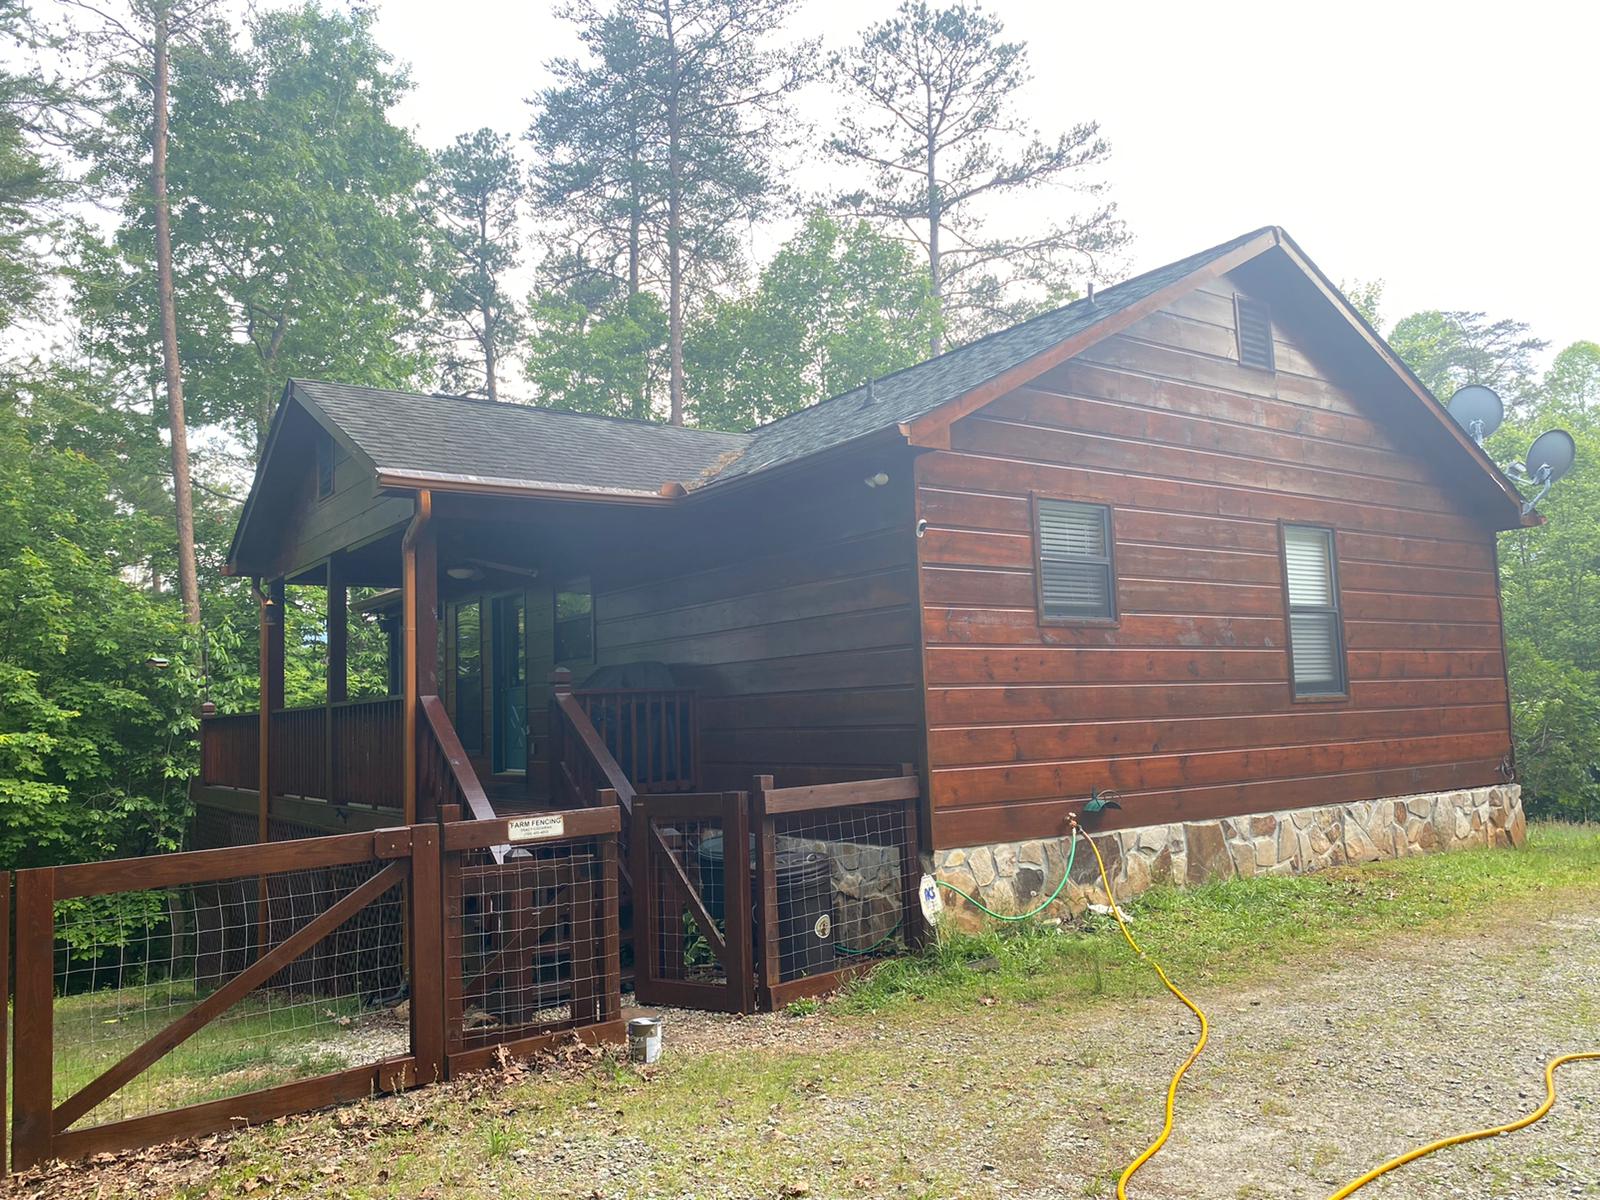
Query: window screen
(1075, 577)
(1316, 650)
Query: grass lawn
(759, 1104)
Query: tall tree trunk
(490, 332)
(674, 218)
(490, 359)
(183, 494)
(935, 215)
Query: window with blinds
(1316, 647)
(1073, 542)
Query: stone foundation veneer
(1014, 876)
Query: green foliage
(96, 740)
(595, 348)
(298, 243)
(1550, 581)
(29, 184)
(1450, 349)
(838, 305)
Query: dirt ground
(1310, 1078)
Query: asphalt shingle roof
(404, 432)
(467, 438)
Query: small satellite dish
(1478, 410)
(1551, 456)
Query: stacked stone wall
(1015, 876)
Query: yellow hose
(1537, 1114)
(1177, 1076)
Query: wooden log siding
(797, 628)
(1185, 705)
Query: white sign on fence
(533, 829)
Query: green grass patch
(1226, 930)
(267, 1039)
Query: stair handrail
(600, 757)
(465, 787)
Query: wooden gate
(531, 944)
(205, 995)
(692, 901)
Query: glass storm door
(510, 684)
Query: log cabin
(1198, 544)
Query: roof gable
(411, 440)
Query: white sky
(1446, 148)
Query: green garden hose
(1072, 855)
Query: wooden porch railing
(230, 751)
(346, 753)
(652, 734)
(367, 766)
(581, 764)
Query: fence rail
(830, 872)
(241, 984)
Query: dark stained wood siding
(316, 527)
(796, 623)
(1185, 707)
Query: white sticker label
(932, 902)
(532, 829)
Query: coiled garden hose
(1205, 1028)
(1072, 855)
(1537, 1114)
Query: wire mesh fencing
(531, 941)
(836, 881)
(692, 871)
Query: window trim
(1115, 619)
(1342, 648)
(1239, 302)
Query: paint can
(644, 1039)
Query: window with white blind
(1316, 646)
(1073, 542)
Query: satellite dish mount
(1479, 411)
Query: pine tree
(696, 102)
(479, 189)
(937, 133)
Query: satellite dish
(1478, 410)
(1551, 456)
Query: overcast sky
(1447, 149)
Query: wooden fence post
(5, 1013)
(32, 1075)
(736, 898)
(427, 955)
(771, 969)
(912, 932)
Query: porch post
(420, 584)
(338, 619)
(271, 671)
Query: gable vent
(1254, 322)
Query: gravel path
(1309, 1080)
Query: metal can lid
(644, 1024)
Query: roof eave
(401, 479)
